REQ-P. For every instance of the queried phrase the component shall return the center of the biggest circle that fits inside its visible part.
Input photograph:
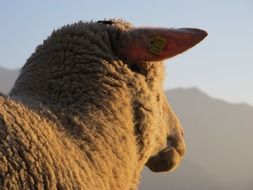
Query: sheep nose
(177, 143)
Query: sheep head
(140, 46)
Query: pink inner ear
(156, 44)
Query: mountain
(7, 79)
(219, 142)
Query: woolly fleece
(80, 117)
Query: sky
(221, 65)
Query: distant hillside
(219, 142)
(7, 79)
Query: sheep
(88, 109)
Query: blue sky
(222, 65)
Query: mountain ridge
(9, 76)
(197, 90)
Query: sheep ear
(156, 44)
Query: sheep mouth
(166, 160)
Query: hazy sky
(222, 65)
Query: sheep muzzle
(166, 160)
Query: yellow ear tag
(157, 44)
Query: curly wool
(79, 117)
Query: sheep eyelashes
(88, 110)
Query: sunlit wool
(81, 117)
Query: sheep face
(169, 141)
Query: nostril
(177, 144)
(181, 132)
(171, 141)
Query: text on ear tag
(157, 44)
